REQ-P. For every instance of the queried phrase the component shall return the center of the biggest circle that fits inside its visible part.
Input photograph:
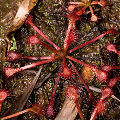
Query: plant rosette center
(62, 54)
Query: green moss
(13, 42)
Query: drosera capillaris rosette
(63, 54)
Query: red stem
(16, 114)
(91, 10)
(91, 41)
(74, 68)
(67, 36)
(39, 63)
(79, 110)
(48, 47)
(115, 67)
(80, 62)
(109, 68)
(47, 39)
(113, 81)
(0, 106)
(11, 71)
(94, 114)
(100, 107)
(55, 87)
(37, 58)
